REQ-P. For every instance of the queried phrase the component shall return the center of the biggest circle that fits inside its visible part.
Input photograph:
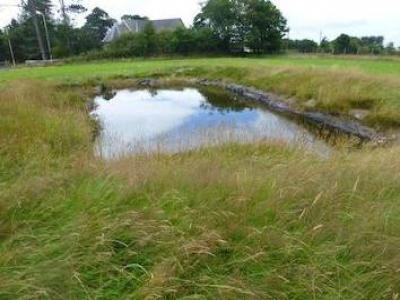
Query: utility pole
(320, 41)
(11, 48)
(32, 9)
(47, 35)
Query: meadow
(260, 221)
(334, 85)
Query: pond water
(173, 120)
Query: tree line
(222, 27)
(344, 44)
(26, 35)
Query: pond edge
(277, 104)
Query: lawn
(260, 221)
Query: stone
(359, 114)
(312, 103)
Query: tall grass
(335, 84)
(333, 91)
(261, 221)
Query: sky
(306, 19)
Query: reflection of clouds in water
(274, 127)
(139, 115)
(167, 120)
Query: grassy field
(262, 221)
(335, 85)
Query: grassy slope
(258, 221)
(337, 85)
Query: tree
(325, 46)
(257, 24)
(96, 26)
(303, 46)
(3, 47)
(32, 7)
(66, 35)
(136, 44)
(23, 38)
(27, 35)
(373, 44)
(180, 41)
(150, 42)
(265, 26)
(221, 16)
(342, 44)
(206, 41)
(346, 44)
(390, 48)
(20, 40)
(183, 41)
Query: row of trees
(344, 44)
(27, 33)
(181, 41)
(222, 26)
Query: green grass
(101, 69)
(262, 221)
(336, 84)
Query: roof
(167, 24)
(136, 26)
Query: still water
(167, 120)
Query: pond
(174, 120)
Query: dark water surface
(172, 120)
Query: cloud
(308, 18)
(8, 10)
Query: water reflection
(177, 120)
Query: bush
(182, 41)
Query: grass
(261, 221)
(336, 85)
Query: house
(136, 26)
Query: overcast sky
(307, 18)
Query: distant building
(136, 26)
